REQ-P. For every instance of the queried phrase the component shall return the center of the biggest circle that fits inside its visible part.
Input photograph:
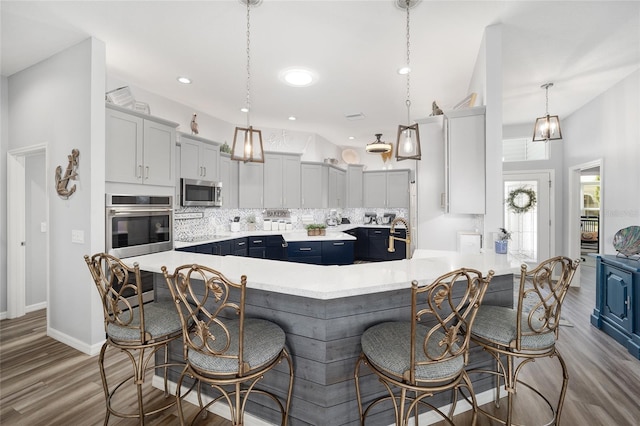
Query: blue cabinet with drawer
(337, 252)
(305, 252)
(617, 310)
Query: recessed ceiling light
(292, 118)
(351, 138)
(184, 80)
(244, 109)
(404, 70)
(298, 76)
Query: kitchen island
(325, 309)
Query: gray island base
(324, 310)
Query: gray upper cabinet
(465, 161)
(250, 185)
(354, 186)
(337, 188)
(199, 158)
(313, 192)
(386, 189)
(229, 179)
(281, 180)
(139, 148)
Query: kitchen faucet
(407, 240)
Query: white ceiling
(355, 47)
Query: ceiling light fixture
(292, 118)
(184, 80)
(298, 76)
(547, 128)
(378, 146)
(408, 141)
(247, 141)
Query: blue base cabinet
(617, 310)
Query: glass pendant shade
(378, 146)
(547, 128)
(408, 143)
(247, 145)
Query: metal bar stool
(225, 350)
(417, 358)
(137, 329)
(527, 332)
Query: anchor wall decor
(70, 174)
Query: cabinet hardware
(241, 244)
(147, 172)
(139, 170)
(305, 248)
(257, 241)
(338, 244)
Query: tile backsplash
(211, 221)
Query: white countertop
(332, 282)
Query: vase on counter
(502, 246)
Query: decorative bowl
(627, 240)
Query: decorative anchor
(70, 174)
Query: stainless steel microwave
(200, 193)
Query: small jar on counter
(266, 225)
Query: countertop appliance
(138, 224)
(370, 218)
(200, 193)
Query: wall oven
(138, 224)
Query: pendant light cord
(248, 60)
(408, 101)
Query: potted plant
(314, 229)
(502, 243)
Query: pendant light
(408, 141)
(378, 146)
(247, 141)
(547, 128)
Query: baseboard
(35, 307)
(222, 410)
(3, 315)
(90, 350)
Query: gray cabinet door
(229, 179)
(312, 189)
(272, 181)
(398, 189)
(124, 134)
(250, 185)
(354, 186)
(291, 182)
(281, 180)
(190, 159)
(337, 190)
(158, 154)
(375, 189)
(465, 152)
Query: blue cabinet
(275, 248)
(305, 252)
(257, 247)
(337, 252)
(373, 244)
(239, 247)
(617, 310)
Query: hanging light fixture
(408, 141)
(547, 128)
(247, 141)
(378, 146)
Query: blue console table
(617, 310)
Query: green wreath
(516, 203)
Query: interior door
(531, 226)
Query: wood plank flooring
(44, 382)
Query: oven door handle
(121, 212)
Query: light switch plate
(43, 226)
(77, 236)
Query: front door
(527, 214)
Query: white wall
(60, 102)
(4, 141)
(608, 128)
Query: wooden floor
(44, 382)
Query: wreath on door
(521, 200)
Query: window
(523, 149)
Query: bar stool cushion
(160, 320)
(387, 345)
(498, 324)
(263, 342)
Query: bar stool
(137, 329)
(226, 350)
(417, 358)
(528, 332)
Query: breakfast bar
(324, 310)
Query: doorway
(529, 221)
(27, 231)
